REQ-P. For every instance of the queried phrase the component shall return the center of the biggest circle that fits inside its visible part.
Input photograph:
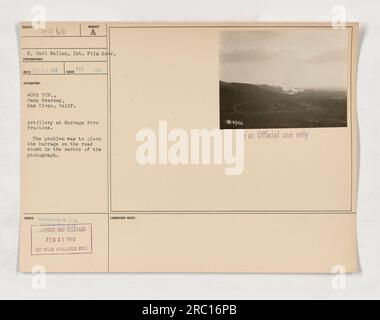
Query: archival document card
(181, 147)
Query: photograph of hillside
(283, 79)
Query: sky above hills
(290, 58)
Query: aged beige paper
(185, 147)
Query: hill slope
(251, 106)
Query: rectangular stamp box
(61, 239)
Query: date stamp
(61, 239)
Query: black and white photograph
(284, 78)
